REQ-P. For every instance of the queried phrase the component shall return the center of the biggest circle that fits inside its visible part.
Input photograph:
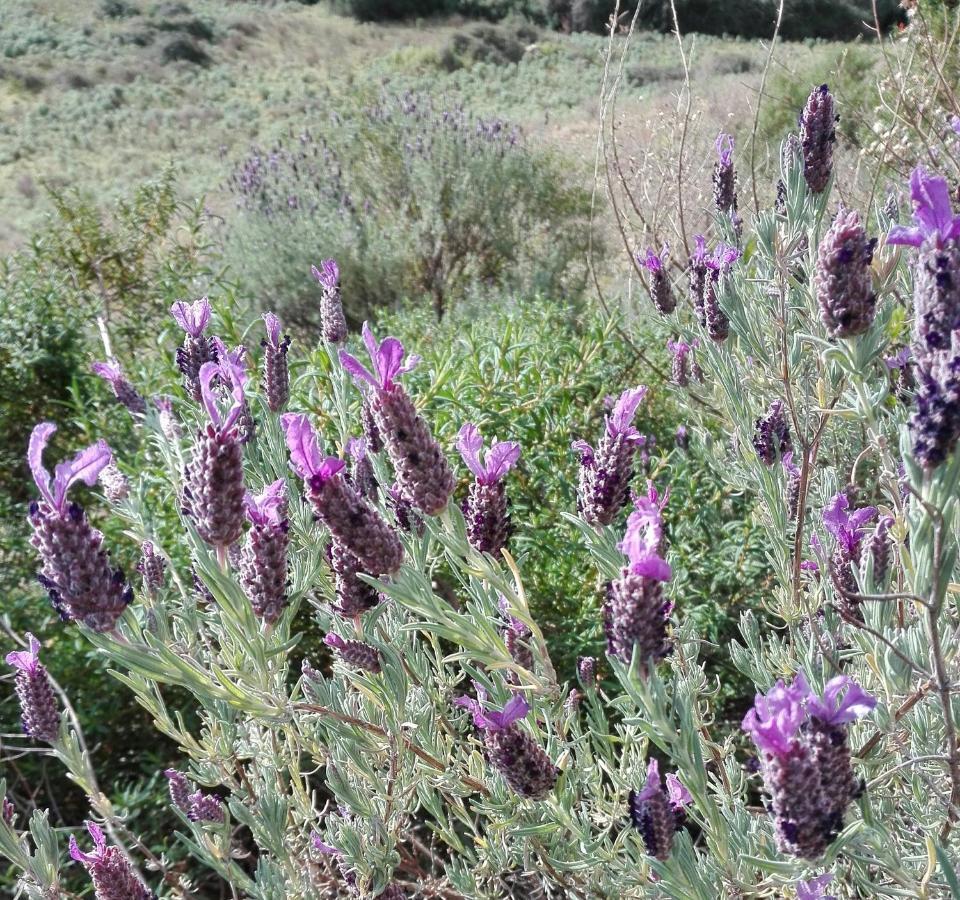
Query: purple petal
(78, 855)
(652, 786)
(27, 660)
(585, 450)
(775, 718)
(788, 464)
(621, 418)
(388, 360)
(335, 641)
(931, 201)
(860, 517)
(267, 506)
(324, 848)
(678, 794)
(370, 342)
(905, 235)
(39, 438)
(501, 458)
(469, 443)
(357, 369)
(328, 274)
(813, 888)
(515, 710)
(273, 329)
(108, 371)
(724, 147)
(193, 318)
(356, 448)
(85, 467)
(835, 516)
(844, 701)
(209, 371)
(301, 440)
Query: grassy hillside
(103, 95)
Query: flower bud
(152, 567)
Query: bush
(414, 201)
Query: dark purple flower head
(305, 456)
(85, 466)
(643, 539)
(620, 420)
(269, 507)
(26, 660)
(491, 720)
(724, 147)
(847, 527)
(499, 459)
(776, 717)
(387, 359)
(843, 700)
(654, 262)
(932, 210)
(193, 318)
(328, 274)
(813, 888)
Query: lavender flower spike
(843, 702)
(658, 814)
(213, 479)
(361, 469)
(714, 318)
(841, 280)
(486, 506)
(696, 276)
(724, 176)
(936, 282)
(112, 875)
(423, 473)
(605, 474)
(196, 349)
(123, 390)
(790, 774)
(513, 752)
(276, 373)
(333, 325)
(848, 529)
(152, 567)
(263, 558)
(352, 520)
(635, 611)
(40, 715)
(76, 571)
(818, 134)
(660, 291)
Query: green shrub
(414, 201)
